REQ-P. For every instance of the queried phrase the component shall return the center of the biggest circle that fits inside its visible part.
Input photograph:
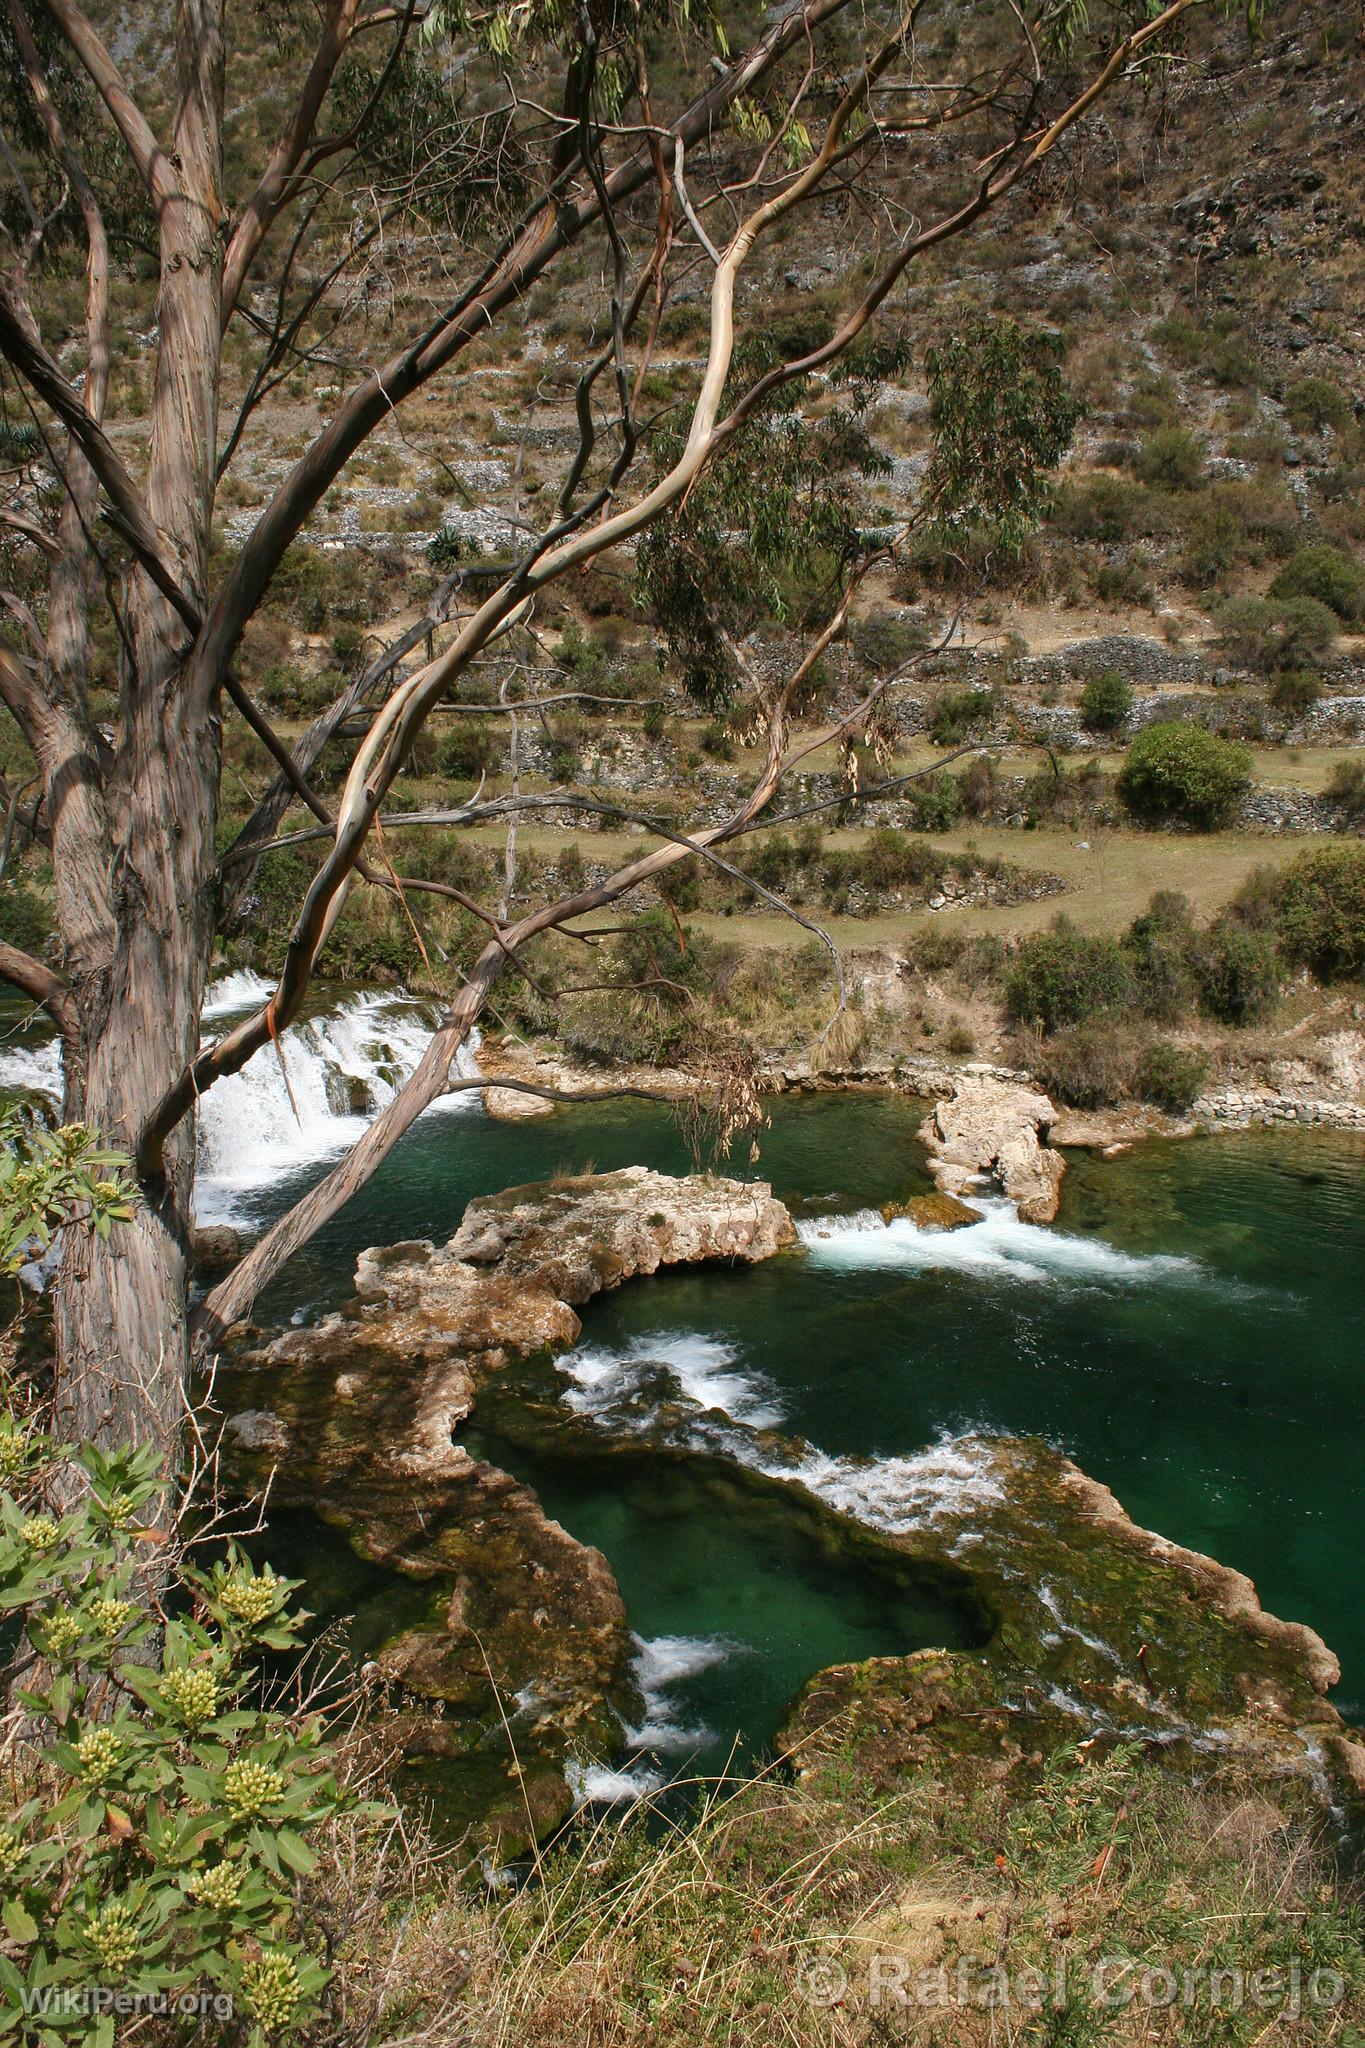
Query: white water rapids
(340, 1069)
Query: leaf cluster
(160, 1848)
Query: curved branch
(272, 190)
(154, 166)
(127, 511)
(45, 987)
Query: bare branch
(45, 987)
(127, 511)
(154, 166)
(271, 193)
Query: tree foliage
(1002, 418)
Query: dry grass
(812, 1913)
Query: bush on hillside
(936, 803)
(956, 714)
(1172, 459)
(1172, 1076)
(1102, 508)
(1313, 403)
(468, 750)
(1326, 574)
(1088, 1065)
(1106, 702)
(1160, 943)
(1320, 914)
(978, 786)
(1271, 635)
(1178, 771)
(1294, 691)
(1347, 788)
(1239, 972)
(1064, 976)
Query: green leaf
(19, 1921)
(295, 1852)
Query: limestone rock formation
(996, 1127)
(354, 1418)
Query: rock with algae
(1102, 1628)
(354, 1417)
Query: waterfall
(342, 1067)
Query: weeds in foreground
(1105, 1901)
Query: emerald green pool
(1190, 1331)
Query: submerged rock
(989, 1126)
(932, 1212)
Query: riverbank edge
(922, 1075)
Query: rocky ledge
(1101, 1629)
(989, 1126)
(521, 1655)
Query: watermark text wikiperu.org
(1110, 1983)
(96, 2001)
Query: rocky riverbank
(521, 1657)
(509, 1663)
(990, 1120)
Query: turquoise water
(1190, 1332)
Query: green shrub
(1313, 403)
(1106, 702)
(1172, 1076)
(884, 642)
(1320, 915)
(1160, 943)
(1273, 634)
(1103, 508)
(936, 803)
(1347, 788)
(468, 750)
(956, 714)
(1090, 1065)
(1064, 976)
(1294, 690)
(977, 786)
(1172, 459)
(1213, 542)
(1125, 581)
(1326, 574)
(1179, 771)
(1239, 971)
(156, 1842)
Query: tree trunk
(121, 1304)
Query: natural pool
(1190, 1332)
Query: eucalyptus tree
(492, 140)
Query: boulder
(932, 1212)
(989, 1126)
(215, 1247)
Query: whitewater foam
(999, 1245)
(607, 1380)
(661, 1663)
(599, 1785)
(287, 1109)
(952, 1477)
